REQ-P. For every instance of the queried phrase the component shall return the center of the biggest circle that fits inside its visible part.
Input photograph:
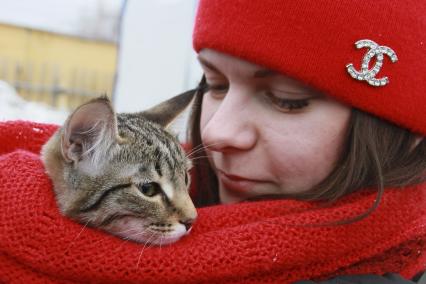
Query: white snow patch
(13, 107)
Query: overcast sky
(63, 16)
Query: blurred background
(57, 54)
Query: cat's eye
(150, 189)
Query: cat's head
(123, 173)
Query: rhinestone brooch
(366, 74)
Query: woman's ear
(89, 131)
(165, 112)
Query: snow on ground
(13, 107)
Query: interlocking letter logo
(369, 74)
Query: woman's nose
(232, 126)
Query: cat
(123, 173)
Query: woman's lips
(237, 184)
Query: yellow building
(57, 69)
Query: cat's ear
(89, 131)
(165, 112)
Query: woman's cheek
(303, 157)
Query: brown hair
(377, 154)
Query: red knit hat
(314, 41)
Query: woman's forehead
(224, 64)
(215, 60)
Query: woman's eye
(219, 88)
(150, 189)
(288, 105)
(217, 91)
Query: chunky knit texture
(256, 242)
(314, 40)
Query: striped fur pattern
(124, 173)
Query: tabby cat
(123, 173)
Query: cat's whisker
(140, 255)
(196, 151)
(205, 155)
(126, 239)
(78, 235)
(200, 157)
(196, 148)
(200, 161)
(151, 244)
(200, 148)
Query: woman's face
(266, 133)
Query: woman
(281, 114)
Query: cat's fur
(123, 173)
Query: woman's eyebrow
(208, 65)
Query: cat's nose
(187, 223)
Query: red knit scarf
(252, 242)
